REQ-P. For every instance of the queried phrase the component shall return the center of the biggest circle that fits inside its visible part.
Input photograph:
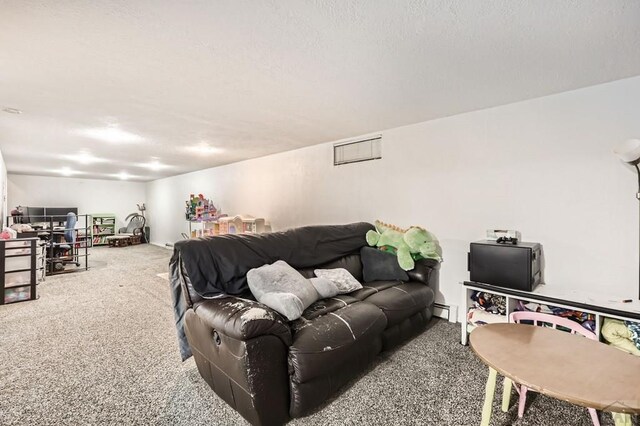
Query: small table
(119, 240)
(564, 366)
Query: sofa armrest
(242, 319)
(241, 347)
(425, 271)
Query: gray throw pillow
(324, 287)
(282, 288)
(378, 265)
(340, 277)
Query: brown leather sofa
(269, 369)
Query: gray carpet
(99, 347)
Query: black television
(58, 214)
(34, 215)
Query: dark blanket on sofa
(220, 264)
(217, 266)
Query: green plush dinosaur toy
(408, 244)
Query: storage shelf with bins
(18, 267)
(599, 307)
(104, 225)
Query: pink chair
(554, 321)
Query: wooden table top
(565, 366)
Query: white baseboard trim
(448, 312)
(167, 246)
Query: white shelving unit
(600, 307)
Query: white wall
(3, 191)
(544, 167)
(89, 195)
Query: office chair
(70, 238)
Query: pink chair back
(539, 318)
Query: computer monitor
(59, 214)
(34, 215)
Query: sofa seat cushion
(326, 306)
(401, 301)
(333, 339)
(369, 289)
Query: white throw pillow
(325, 288)
(341, 277)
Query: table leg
(489, 391)
(621, 419)
(506, 394)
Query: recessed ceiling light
(110, 134)
(154, 165)
(84, 157)
(123, 176)
(66, 171)
(12, 110)
(204, 149)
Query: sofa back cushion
(378, 265)
(350, 262)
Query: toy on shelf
(201, 209)
(239, 224)
(205, 219)
(242, 224)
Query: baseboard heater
(448, 312)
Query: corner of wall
(3, 179)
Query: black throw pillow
(378, 265)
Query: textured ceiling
(258, 77)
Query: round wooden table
(562, 365)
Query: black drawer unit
(18, 270)
(506, 265)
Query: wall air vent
(357, 151)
